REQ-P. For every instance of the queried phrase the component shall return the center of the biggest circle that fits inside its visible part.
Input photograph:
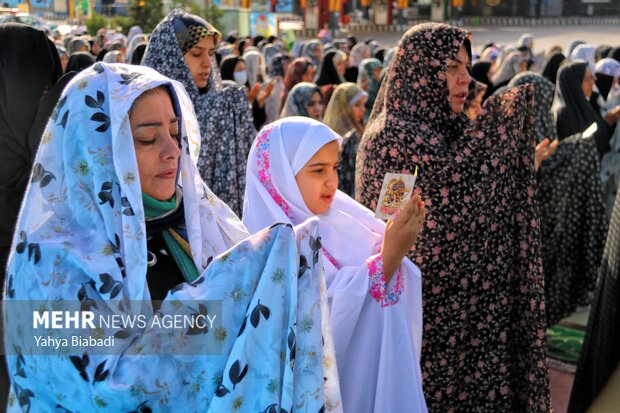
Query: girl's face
(341, 66)
(308, 75)
(315, 106)
(198, 59)
(318, 179)
(358, 109)
(587, 83)
(155, 130)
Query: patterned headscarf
(92, 246)
(277, 65)
(338, 114)
(366, 74)
(309, 50)
(480, 246)
(190, 29)
(298, 98)
(544, 91)
(223, 114)
(269, 51)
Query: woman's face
(318, 53)
(587, 83)
(522, 64)
(377, 73)
(475, 106)
(308, 76)
(457, 75)
(315, 106)
(155, 130)
(358, 109)
(240, 66)
(318, 179)
(64, 60)
(198, 60)
(96, 48)
(341, 66)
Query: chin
(458, 109)
(162, 196)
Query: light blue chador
(81, 234)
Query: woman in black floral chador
(181, 48)
(483, 347)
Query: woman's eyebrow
(156, 124)
(318, 164)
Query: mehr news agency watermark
(113, 327)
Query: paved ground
(545, 37)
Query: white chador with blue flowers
(377, 328)
(81, 234)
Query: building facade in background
(243, 15)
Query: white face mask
(241, 77)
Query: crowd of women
(247, 171)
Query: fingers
(408, 210)
(553, 146)
(418, 213)
(550, 149)
(542, 145)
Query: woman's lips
(168, 174)
(460, 98)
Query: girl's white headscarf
(349, 231)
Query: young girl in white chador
(374, 292)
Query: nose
(206, 61)
(332, 181)
(464, 76)
(171, 148)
